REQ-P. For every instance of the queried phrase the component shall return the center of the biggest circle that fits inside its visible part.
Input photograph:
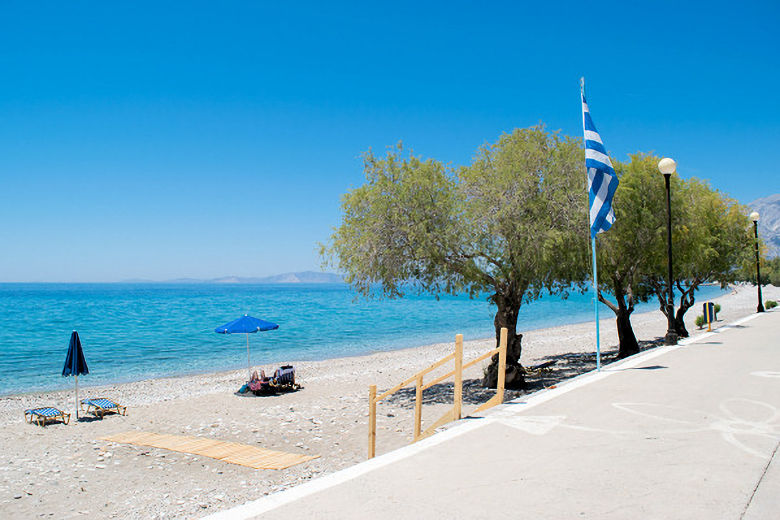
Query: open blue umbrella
(246, 325)
(75, 364)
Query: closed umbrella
(246, 325)
(75, 364)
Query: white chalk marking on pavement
(740, 419)
(766, 373)
(533, 424)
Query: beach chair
(39, 416)
(284, 379)
(100, 406)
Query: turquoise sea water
(140, 331)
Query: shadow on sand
(565, 366)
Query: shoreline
(85, 385)
(46, 468)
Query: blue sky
(201, 139)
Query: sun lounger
(284, 378)
(39, 416)
(100, 406)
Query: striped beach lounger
(100, 406)
(39, 416)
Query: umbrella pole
(248, 363)
(77, 397)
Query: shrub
(717, 310)
(770, 304)
(700, 321)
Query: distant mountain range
(301, 277)
(769, 223)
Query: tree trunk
(679, 323)
(628, 343)
(506, 316)
(687, 299)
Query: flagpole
(596, 305)
(595, 276)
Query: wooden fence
(455, 412)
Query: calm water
(131, 332)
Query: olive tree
(711, 239)
(511, 225)
(633, 245)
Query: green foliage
(700, 321)
(711, 237)
(635, 243)
(512, 223)
(770, 268)
(770, 271)
(770, 304)
(710, 241)
(717, 309)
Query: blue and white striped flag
(602, 180)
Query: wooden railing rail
(452, 414)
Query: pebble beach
(65, 471)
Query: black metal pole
(671, 334)
(758, 269)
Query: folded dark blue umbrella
(75, 364)
(246, 325)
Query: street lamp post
(754, 217)
(667, 166)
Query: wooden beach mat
(233, 452)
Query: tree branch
(607, 302)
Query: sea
(131, 332)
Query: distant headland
(299, 277)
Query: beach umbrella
(75, 364)
(246, 325)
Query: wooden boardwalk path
(233, 452)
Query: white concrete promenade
(679, 432)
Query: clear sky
(200, 139)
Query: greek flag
(602, 180)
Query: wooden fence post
(502, 365)
(371, 421)
(418, 408)
(458, 399)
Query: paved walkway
(679, 432)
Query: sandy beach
(66, 472)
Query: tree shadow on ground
(566, 366)
(473, 394)
(573, 364)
